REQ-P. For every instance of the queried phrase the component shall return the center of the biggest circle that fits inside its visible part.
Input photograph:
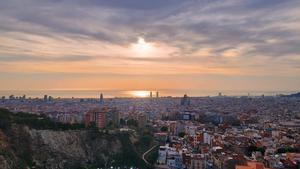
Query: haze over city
(150, 45)
(149, 84)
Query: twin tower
(157, 94)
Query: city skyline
(152, 46)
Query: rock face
(57, 149)
(34, 141)
(70, 149)
(48, 149)
(3, 163)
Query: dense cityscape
(149, 84)
(220, 132)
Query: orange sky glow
(188, 45)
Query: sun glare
(142, 48)
(140, 93)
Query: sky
(150, 45)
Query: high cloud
(191, 37)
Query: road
(144, 155)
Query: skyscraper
(157, 94)
(101, 99)
(45, 98)
(185, 101)
(151, 94)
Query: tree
(132, 123)
(253, 148)
(146, 140)
(288, 150)
(231, 164)
(122, 122)
(164, 129)
(181, 134)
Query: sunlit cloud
(142, 48)
(140, 38)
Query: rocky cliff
(23, 147)
(31, 141)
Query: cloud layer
(194, 39)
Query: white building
(162, 155)
(207, 138)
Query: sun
(140, 93)
(142, 48)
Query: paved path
(144, 155)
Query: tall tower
(45, 98)
(101, 99)
(157, 94)
(151, 94)
(185, 101)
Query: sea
(131, 93)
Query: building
(174, 159)
(162, 155)
(101, 99)
(101, 121)
(11, 97)
(185, 101)
(113, 117)
(96, 116)
(102, 117)
(207, 138)
(252, 165)
(197, 161)
(45, 98)
(186, 116)
(157, 94)
(142, 120)
(170, 157)
(87, 119)
(292, 160)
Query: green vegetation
(164, 129)
(128, 155)
(181, 134)
(253, 148)
(231, 164)
(122, 122)
(153, 155)
(289, 150)
(33, 121)
(12, 124)
(20, 144)
(21, 153)
(6, 153)
(132, 123)
(145, 139)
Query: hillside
(35, 141)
